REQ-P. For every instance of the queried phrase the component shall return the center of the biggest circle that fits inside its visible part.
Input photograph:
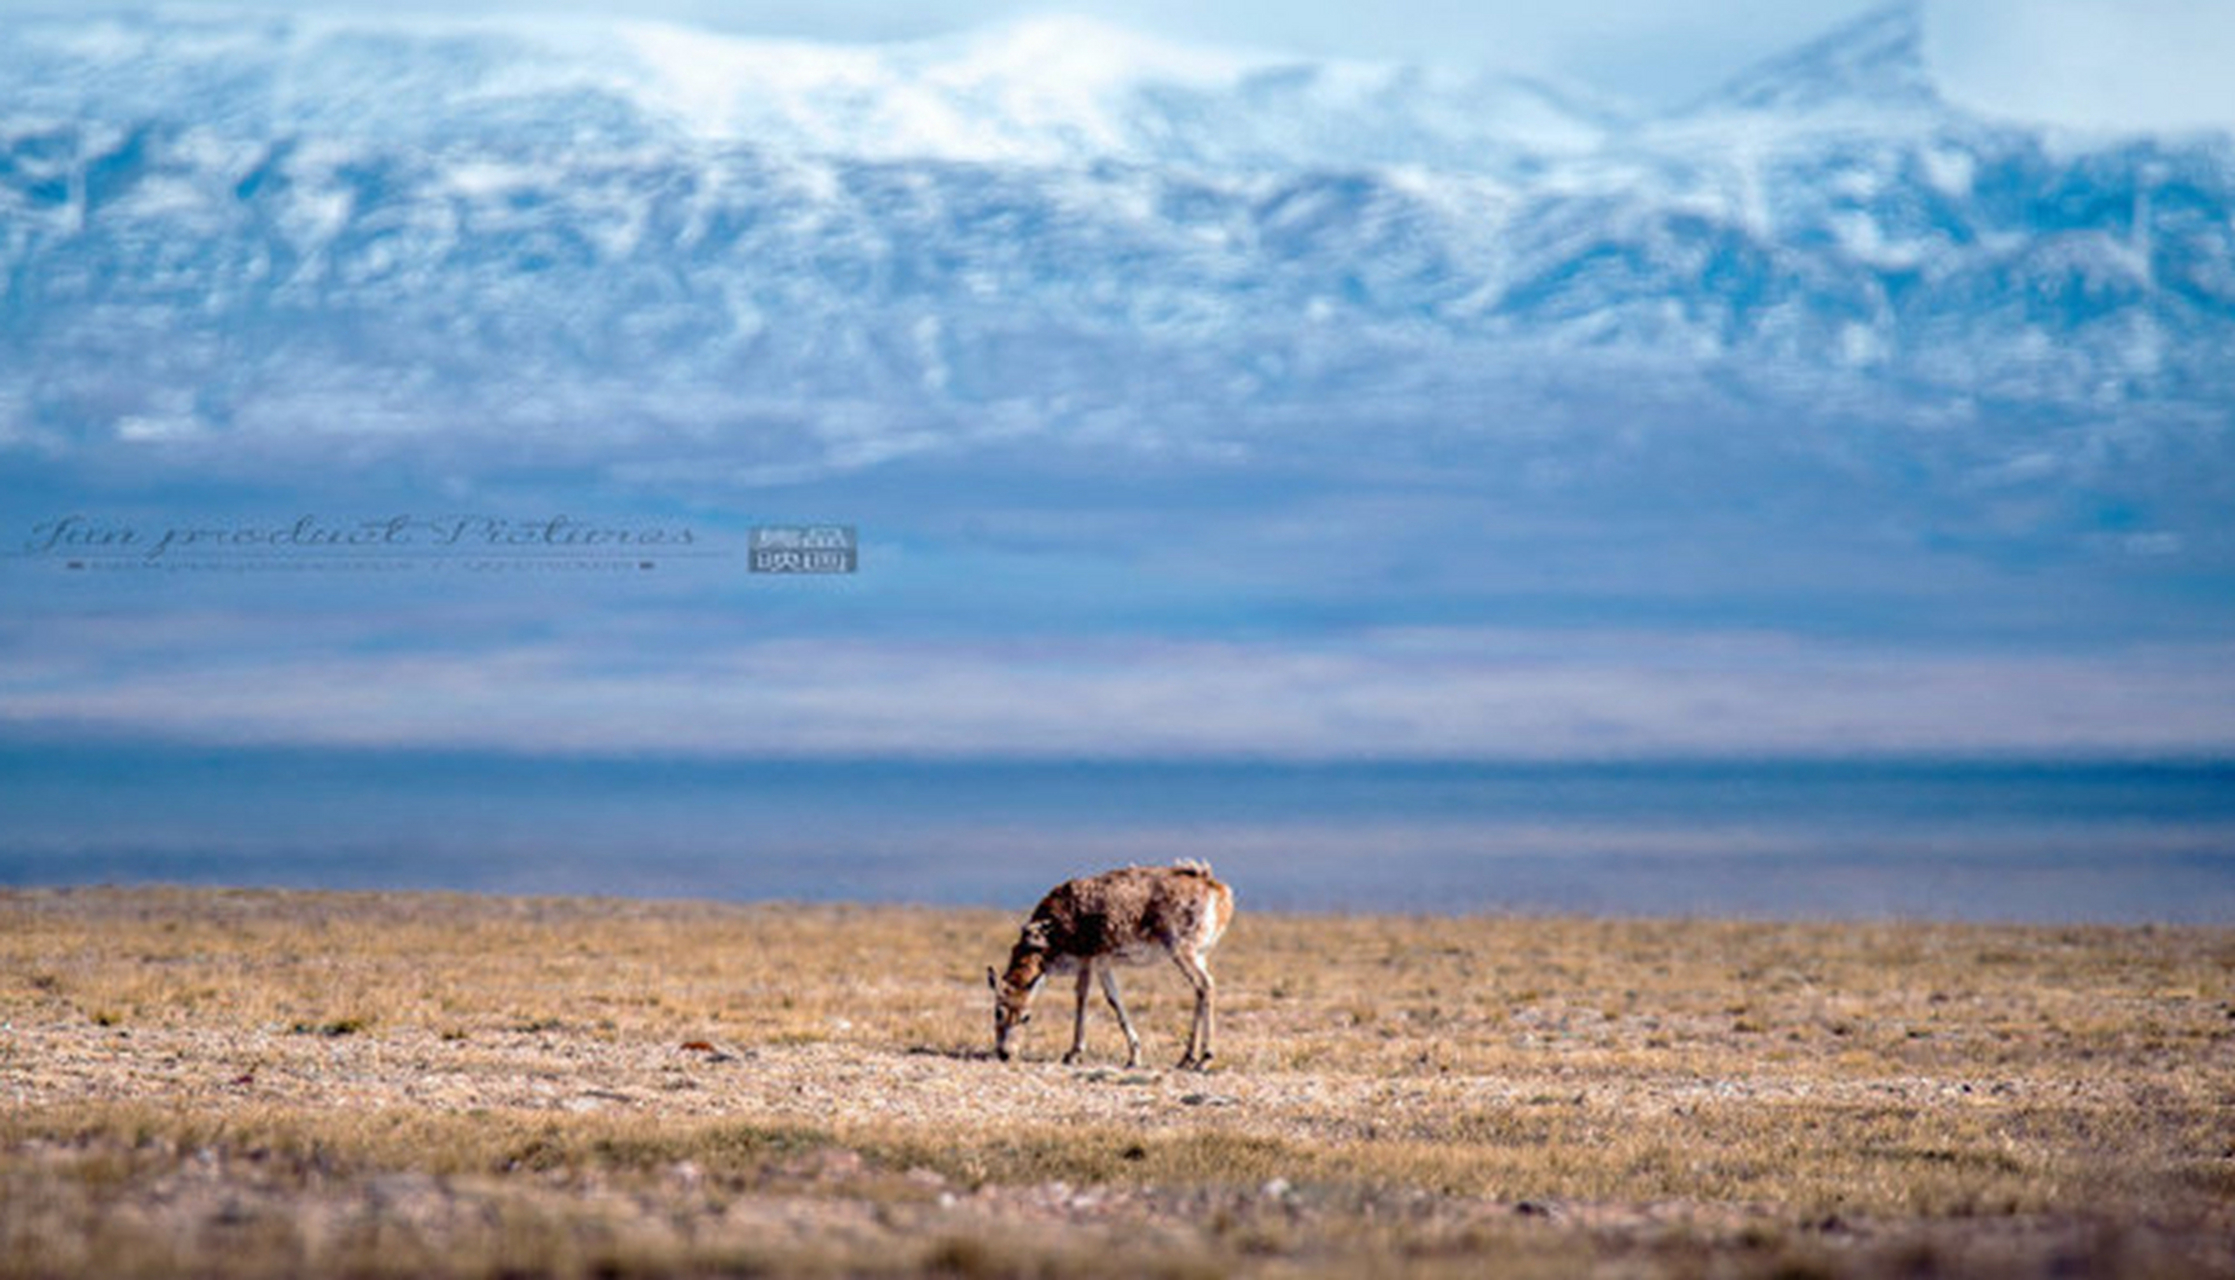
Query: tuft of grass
(333, 1029)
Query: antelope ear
(992, 980)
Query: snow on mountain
(1049, 90)
(1877, 61)
(303, 229)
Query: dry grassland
(279, 1084)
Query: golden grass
(260, 1083)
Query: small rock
(1274, 1189)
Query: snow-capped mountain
(1876, 63)
(1046, 91)
(310, 230)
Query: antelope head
(1013, 991)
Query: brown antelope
(1128, 916)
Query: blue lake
(2050, 841)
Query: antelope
(1127, 916)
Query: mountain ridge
(402, 232)
(1878, 56)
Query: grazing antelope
(1127, 916)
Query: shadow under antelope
(1128, 916)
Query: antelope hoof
(1133, 1058)
(1071, 1057)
